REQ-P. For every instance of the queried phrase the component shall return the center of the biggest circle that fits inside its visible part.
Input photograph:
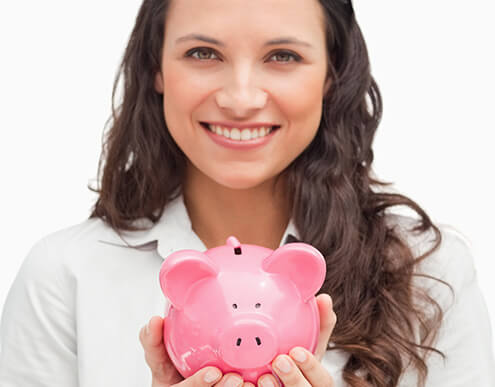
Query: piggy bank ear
(181, 271)
(302, 264)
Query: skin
(302, 374)
(231, 192)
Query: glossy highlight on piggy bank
(238, 306)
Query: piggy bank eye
(234, 306)
(257, 305)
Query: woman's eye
(286, 57)
(206, 53)
(201, 53)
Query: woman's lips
(239, 144)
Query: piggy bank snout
(248, 343)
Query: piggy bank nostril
(239, 340)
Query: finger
(207, 376)
(312, 369)
(248, 384)
(268, 381)
(288, 372)
(328, 319)
(155, 353)
(230, 380)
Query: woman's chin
(240, 183)
(239, 177)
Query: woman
(254, 119)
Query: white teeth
(246, 134)
(240, 135)
(235, 134)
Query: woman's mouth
(236, 134)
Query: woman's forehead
(302, 19)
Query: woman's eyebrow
(203, 38)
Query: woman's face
(239, 66)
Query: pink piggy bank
(237, 307)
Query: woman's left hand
(307, 370)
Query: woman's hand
(301, 373)
(302, 368)
(163, 371)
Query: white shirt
(73, 314)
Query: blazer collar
(172, 232)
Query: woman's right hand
(163, 371)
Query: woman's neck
(257, 215)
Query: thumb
(155, 353)
(328, 319)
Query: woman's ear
(159, 82)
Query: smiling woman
(236, 83)
(254, 119)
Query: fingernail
(211, 376)
(283, 364)
(267, 382)
(299, 355)
(147, 330)
(233, 381)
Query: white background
(433, 61)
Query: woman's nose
(241, 98)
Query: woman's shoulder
(86, 232)
(465, 335)
(54, 254)
(46, 274)
(452, 261)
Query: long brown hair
(337, 204)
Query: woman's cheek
(300, 89)
(186, 85)
(302, 105)
(184, 92)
